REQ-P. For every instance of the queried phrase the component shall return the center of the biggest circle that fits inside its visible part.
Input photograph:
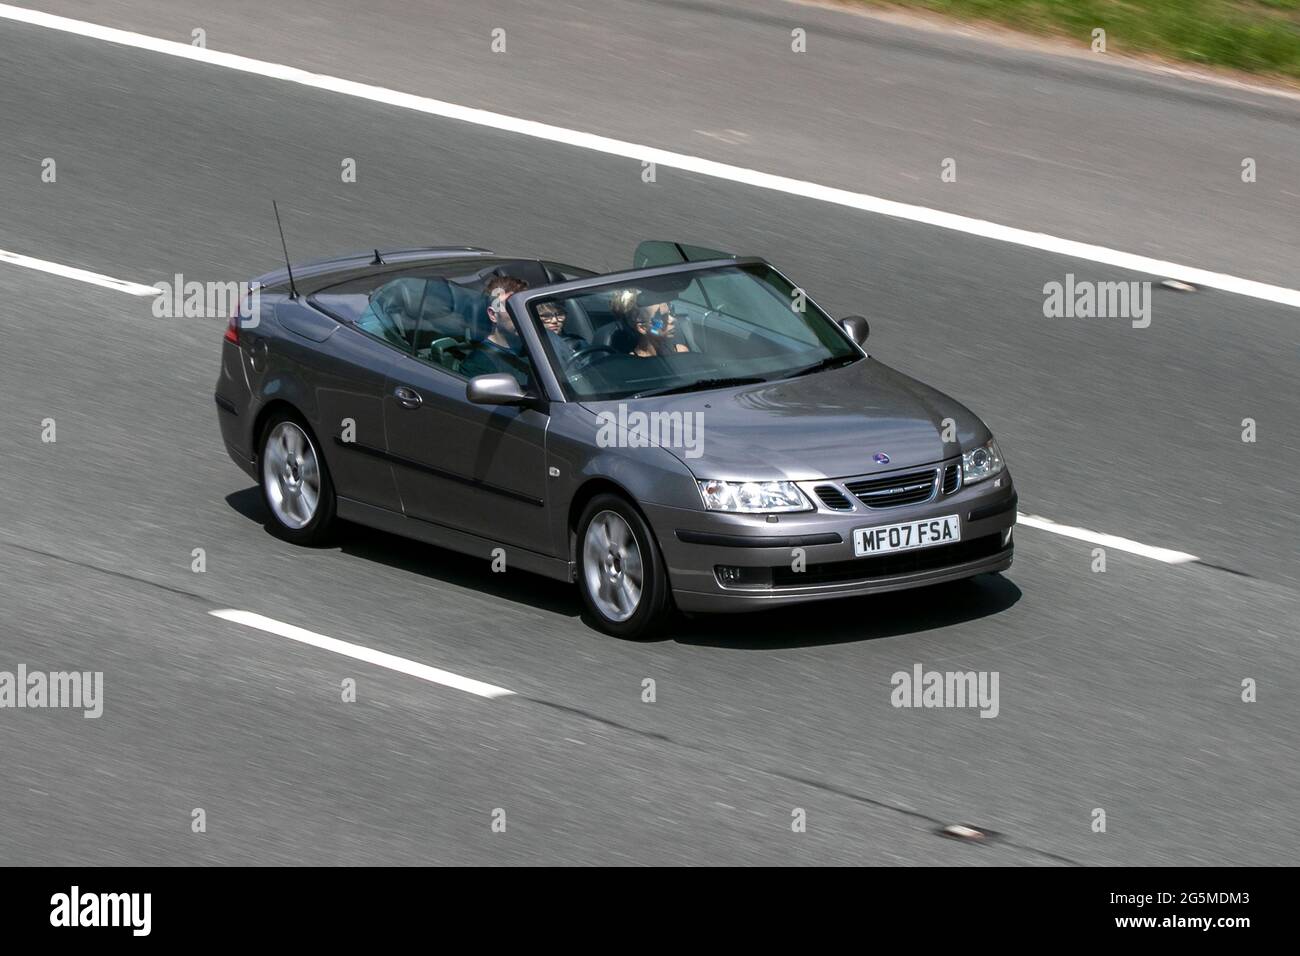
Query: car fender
(645, 475)
(282, 381)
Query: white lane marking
(662, 157)
(1107, 540)
(360, 653)
(81, 275)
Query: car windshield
(687, 331)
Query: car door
(475, 468)
(347, 370)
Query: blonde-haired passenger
(652, 329)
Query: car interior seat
(393, 309)
(577, 321)
(616, 335)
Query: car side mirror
(499, 388)
(857, 328)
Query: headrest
(616, 335)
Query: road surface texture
(1119, 690)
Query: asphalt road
(1118, 690)
(1084, 147)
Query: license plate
(906, 536)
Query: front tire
(295, 481)
(621, 574)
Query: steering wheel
(583, 359)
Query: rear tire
(621, 574)
(295, 481)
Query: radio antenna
(293, 290)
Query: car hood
(825, 425)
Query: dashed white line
(662, 157)
(362, 653)
(81, 275)
(1107, 540)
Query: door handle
(407, 397)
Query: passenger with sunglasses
(653, 326)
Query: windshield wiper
(834, 361)
(701, 385)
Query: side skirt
(443, 537)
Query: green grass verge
(1257, 36)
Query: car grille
(832, 497)
(889, 565)
(951, 474)
(891, 491)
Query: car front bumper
(809, 556)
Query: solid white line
(81, 275)
(1107, 540)
(360, 653)
(694, 164)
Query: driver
(502, 350)
(652, 328)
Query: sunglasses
(669, 313)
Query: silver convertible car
(694, 432)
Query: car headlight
(980, 463)
(753, 496)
